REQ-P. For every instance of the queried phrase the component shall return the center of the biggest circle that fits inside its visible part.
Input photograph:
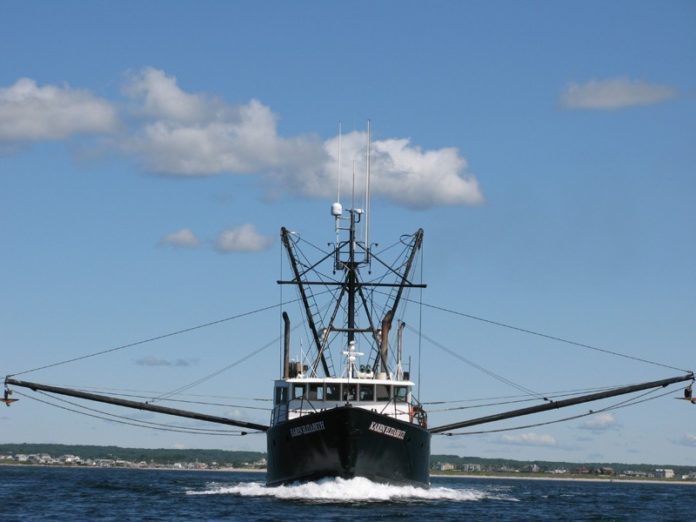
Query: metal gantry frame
(349, 256)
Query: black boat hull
(348, 442)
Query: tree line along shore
(115, 456)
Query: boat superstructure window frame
(340, 391)
(366, 393)
(309, 395)
(333, 392)
(349, 392)
(316, 392)
(281, 394)
(299, 387)
(401, 393)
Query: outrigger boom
(134, 404)
(552, 405)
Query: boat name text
(387, 430)
(306, 429)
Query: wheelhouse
(301, 396)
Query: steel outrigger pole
(553, 405)
(134, 404)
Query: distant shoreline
(438, 475)
(567, 479)
(144, 468)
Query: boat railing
(417, 412)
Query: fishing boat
(347, 407)
(364, 419)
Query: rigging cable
(137, 424)
(150, 393)
(479, 367)
(215, 373)
(420, 323)
(146, 424)
(516, 401)
(387, 248)
(557, 393)
(151, 339)
(280, 323)
(553, 337)
(157, 338)
(300, 238)
(204, 403)
(622, 404)
(332, 286)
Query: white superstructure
(305, 395)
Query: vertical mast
(352, 278)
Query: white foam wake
(346, 490)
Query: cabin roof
(344, 380)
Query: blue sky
(150, 153)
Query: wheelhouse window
(281, 395)
(316, 392)
(367, 392)
(400, 393)
(298, 391)
(333, 392)
(350, 392)
(382, 392)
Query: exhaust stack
(384, 341)
(400, 350)
(286, 347)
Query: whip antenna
(367, 196)
(338, 187)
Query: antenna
(352, 200)
(367, 196)
(338, 187)
(336, 208)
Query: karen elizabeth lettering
(307, 428)
(387, 430)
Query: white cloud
(156, 361)
(688, 439)
(161, 97)
(401, 172)
(181, 238)
(193, 135)
(242, 239)
(30, 112)
(178, 133)
(600, 422)
(614, 93)
(529, 439)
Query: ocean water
(36, 493)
